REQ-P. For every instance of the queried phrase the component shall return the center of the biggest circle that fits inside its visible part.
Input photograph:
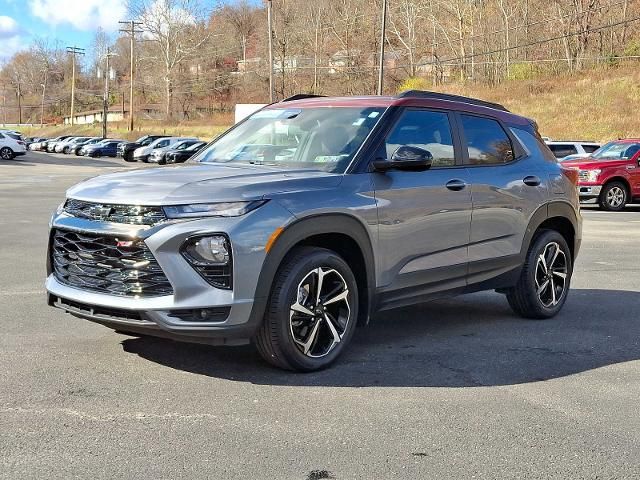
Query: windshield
(616, 150)
(319, 138)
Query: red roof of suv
(407, 99)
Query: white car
(142, 154)
(157, 155)
(563, 148)
(66, 145)
(10, 146)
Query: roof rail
(300, 96)
(450, 97)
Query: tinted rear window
(563, 149)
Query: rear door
(508, 186)
(424, 216)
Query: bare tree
(241, 16)
(177, 29)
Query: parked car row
(160, 149)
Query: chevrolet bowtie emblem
(100, 212)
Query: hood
(199, 183)
(588, 163)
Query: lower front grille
(105, 313)
(107, 264)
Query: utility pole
(105, 98)
(382, 38)
(73, 51)
(19, 103)
(270, 26)
(131, 31)
(44, 88)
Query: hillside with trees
(191, 64)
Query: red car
(611, 174)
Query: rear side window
(590, 148)
(424, 129)
(487, 142)
(1, 135)
(561, 150)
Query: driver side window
(428, 130)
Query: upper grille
(107, 264)
(131, 214)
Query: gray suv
(305, 219)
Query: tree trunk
(169, 94)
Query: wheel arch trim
(296, 233)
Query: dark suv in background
(126, 149)
(314, 213)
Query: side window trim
(518, 151)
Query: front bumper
(588, 192)
(141, 158)
(174, 315)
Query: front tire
(312, 311)
(6, 153)
(614, 197)
(544, 282)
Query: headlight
(592, 175)
(225, 209)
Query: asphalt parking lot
(452, 389)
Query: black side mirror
(405, 158)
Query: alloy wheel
(615, 196)
(6, 154)
(319, 317)
(551, 275)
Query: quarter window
(424, 129)
(590, 148)
(487, 142)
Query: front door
(424, 216)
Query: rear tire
(614, 197)
(303, 329)
(6, 153)
(544, 282)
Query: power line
(537, 42)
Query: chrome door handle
(531, 180)
(455, 185)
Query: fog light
(209, 250)
(211, 257)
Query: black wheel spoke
(319, 317)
